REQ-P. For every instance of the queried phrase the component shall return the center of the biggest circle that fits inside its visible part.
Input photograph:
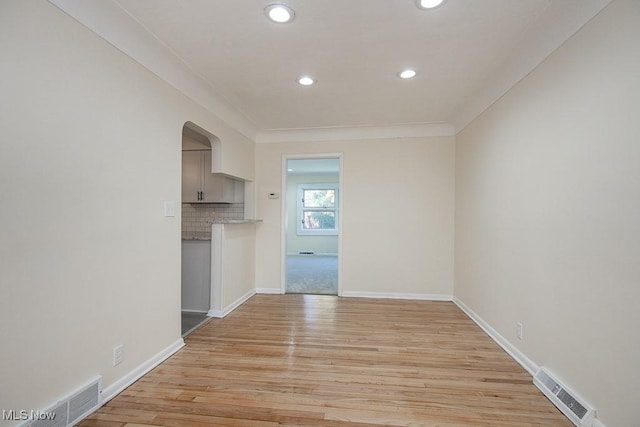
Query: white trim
(397, 295)
(284, 217)
(217, 252)
(270, 291)
(597, 423)
(535, 46)
(284, 222)
(64, 401)
(215, 313)
(117, 387)
(511, 350)
(300, 209)
(116, 26)
(339, 225)
(237, 303)
(228, 309)
(353, 133)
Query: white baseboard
(394, 295)
(237, 303)
(228, 309)
(215, 313)
(597, 423)
(276, 291)
(114, 389)
(185, 310)
(511, 350)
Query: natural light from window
(317, 209)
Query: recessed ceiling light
(407, 74)
(306, 81)
(280, 13)
(429, 4)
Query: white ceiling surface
(467, 54)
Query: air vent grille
(571, 403)
(58, 420)
(71, 409)
(86, 401)
(576, 409)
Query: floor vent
(574, 408)
(73, 408)
(305, 253)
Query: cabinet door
(196, 275)
(199, 185)
(217, 188)
(191, 175)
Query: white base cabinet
(196, 275)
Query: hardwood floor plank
(299, 360)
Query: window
(317, 209)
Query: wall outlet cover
(118, 354)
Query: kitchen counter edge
(207, 236)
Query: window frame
(300, 209)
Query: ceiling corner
(113, 24)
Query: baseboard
(276, 291)
(184, 310)
(228, 309)
(511, 350)
(237, 303)
(397, 295)
(597, 423)
(114, 389)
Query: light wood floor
(298, 360)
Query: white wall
(397, 214)
(237, 264)
(548, 213)
(91, 147)
(296, 243)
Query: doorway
(312, 212)
(196, 235)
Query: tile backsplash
(197, 219)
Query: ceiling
(229, 57)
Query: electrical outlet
(519, 330)
(118, 354)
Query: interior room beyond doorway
(312, 225)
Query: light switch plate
(169, 209)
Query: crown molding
(536, 45)
(112, 23)
(108, 20)
(355, 133)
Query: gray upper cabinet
(199, 185)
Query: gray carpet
(312, 274)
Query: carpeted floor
(312, 274)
